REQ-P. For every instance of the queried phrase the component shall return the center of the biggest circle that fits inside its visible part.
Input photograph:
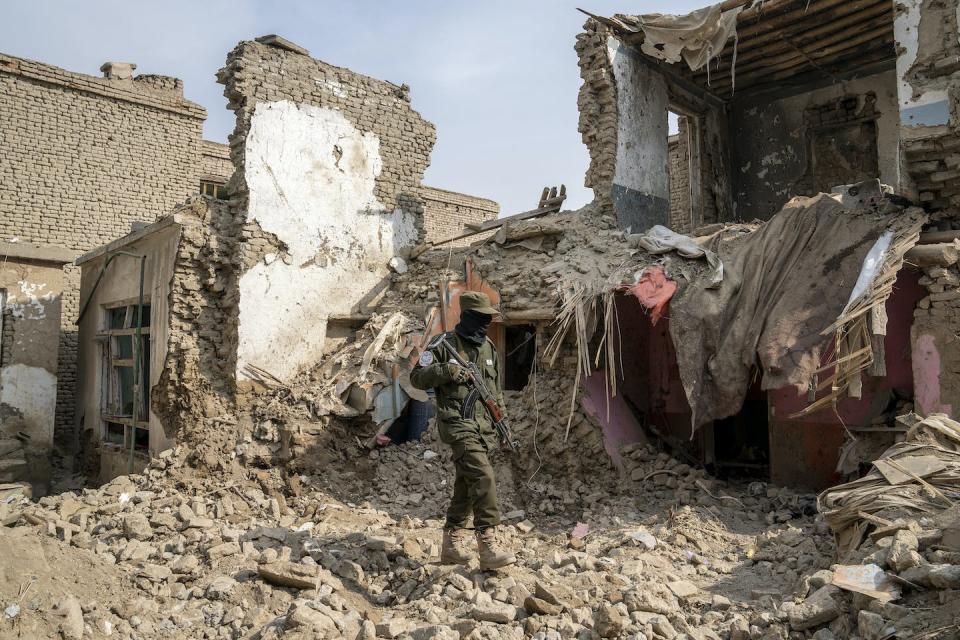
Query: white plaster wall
(906, 32)
(311, 175)
(33, 392)
(642, 130)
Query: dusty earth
(181, 552)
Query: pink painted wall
(926, 373)
(619, 425)
(804, 450)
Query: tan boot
(454, 549)
(492, 553)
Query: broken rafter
(802, 33)
(816, 52)
(550, 202)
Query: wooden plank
(858, 51)
(799, 51)
(529, 315)
(938, 237)
(806, 34)
(487, 225)
(349, 317)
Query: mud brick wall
(327, 190)
(197, 380)
(215, 164)
(934, 165)
(446, 213)
(597, 102)
(678, 148)
(83, 158)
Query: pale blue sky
(499, 79)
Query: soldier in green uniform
(465, 425)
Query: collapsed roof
(741, 45)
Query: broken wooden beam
(933, 255)
(529, 315)
(938, 237)
(552, 203)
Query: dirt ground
(351, 552)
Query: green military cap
(477, 301)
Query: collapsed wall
(197, 379)
(326, 189)
(624, 102)
(928, 62)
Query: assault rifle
(479, 389)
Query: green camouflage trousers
(475, 489)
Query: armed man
(468, 427)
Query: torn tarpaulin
(653, 289)
(696, 37)
(784, 285)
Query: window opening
(121, 420)
(678, 172)
(216, 190)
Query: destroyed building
(86, 160)
(780, 99)
(672, 388)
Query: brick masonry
(932, 154)
(197, 379)
(258, 72)
(597, 103)
(215, 164)
(446, 213)
(83, 158)
(678, 151)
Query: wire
(536, 404)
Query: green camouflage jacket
(455, 421)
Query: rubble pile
(352, 554)
(531, 263)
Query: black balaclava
(473, 326)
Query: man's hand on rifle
(457, 373)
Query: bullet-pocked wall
(328, 169)
(809, 139)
